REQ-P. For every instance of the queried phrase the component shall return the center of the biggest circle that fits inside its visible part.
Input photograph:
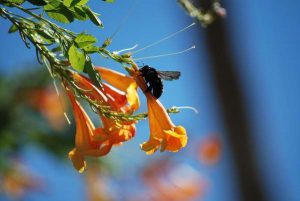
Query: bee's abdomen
(157, 88)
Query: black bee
(153, 77)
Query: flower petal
(116, 79)
(78, 160)
(118, 97)
(124, 83)
(175, 140)
(132, 96)
(150, 146)
(99, 152)
(84, 126)
(90, 90)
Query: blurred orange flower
(16, 181)
(210, 150)
(96, 183)
(47, 102)
(165, 182)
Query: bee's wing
(169, 75)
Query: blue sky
(264, 40)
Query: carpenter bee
(154, 78)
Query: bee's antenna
(165, 38)
(139, 62)
(123, 22)
(164, 55)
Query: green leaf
(91, 49)
(83, 40)
(79, 2)
(13, 29)
(93, 16)
(17, 1)
(76, 58)
(47, 37)
(93, 74)
(38, 2)
(79, 13)
(67, 2)
(59, 13)
(109, 1)
(56, 3)
(44, 39)
(71, 3)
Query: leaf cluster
(64, 11)
(55, 46)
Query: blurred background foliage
(31, 112)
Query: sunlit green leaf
(13, 29)
(55, 3)
(67, 2)
(79, 2)
(83, 40)
(47, 37)
(93, 16)
(91, 49)
(71, 3)
(59, 13)
(17, 1)
(76, 58)
(79, 13)
(109, 1)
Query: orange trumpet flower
(91, 141)
(85, 145)
(163, 133)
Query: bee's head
(145, 69)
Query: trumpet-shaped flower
(91, 141)
(85, 145)
(163, 133)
